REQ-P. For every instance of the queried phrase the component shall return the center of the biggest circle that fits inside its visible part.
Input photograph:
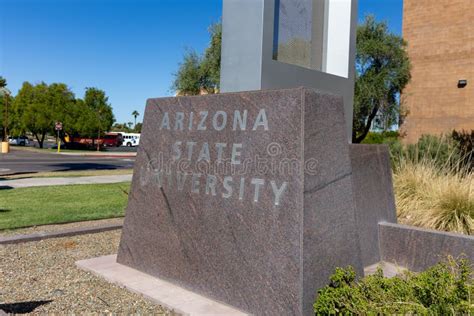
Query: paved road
(21, 161)
(40, 182)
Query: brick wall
(440, 36)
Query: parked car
(112, 140)
(130, 139)
(19, 141)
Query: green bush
(445, 289)
(381, 138)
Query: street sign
(58, 126)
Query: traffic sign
(58, 126)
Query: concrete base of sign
(157, 290)
(176, 298)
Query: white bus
(130, 139)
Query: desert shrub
(442, 151)
(445, 289)
(434, 197)
(465, 144)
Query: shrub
(381, 138)
(440, 150)
(433, 187)
(465, 143)
(445, 289)
(434, 197)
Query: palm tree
(135, 114)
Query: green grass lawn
(25, 207)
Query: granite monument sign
(245, 197)
(254, 198)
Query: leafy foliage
(5, 102)
(445, 289)
(211, 63)
(36, 108)
(100, 117)
(382, 71)
(189, 79)
(32, 110)
(198, 74)
(381, 137)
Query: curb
(100, 155)
(63, 233)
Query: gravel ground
(53, 228)
(41, 278)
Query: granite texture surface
(373, 196)
(253, 212)
(418, 249)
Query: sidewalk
(67, 152)
(38, 182)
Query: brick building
(440, 36)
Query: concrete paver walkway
(38, 182)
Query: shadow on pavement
(85, 166)
(23, 307)
(3, 176)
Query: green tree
(37, 108)
(198, 74)
(382, 71)
(32, 110)
(135, 114)
(99, 116)
(4, 98)
(211, 63)
(188, 80)
(121, 127)
(62, 104)
(138, 128)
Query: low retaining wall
(418, 249)
(373, 196)
(16, 239)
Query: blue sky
(129, 48)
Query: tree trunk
(40, 140)
(37, 139)
(361, 137)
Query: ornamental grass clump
(435, 193)
(445, 289)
